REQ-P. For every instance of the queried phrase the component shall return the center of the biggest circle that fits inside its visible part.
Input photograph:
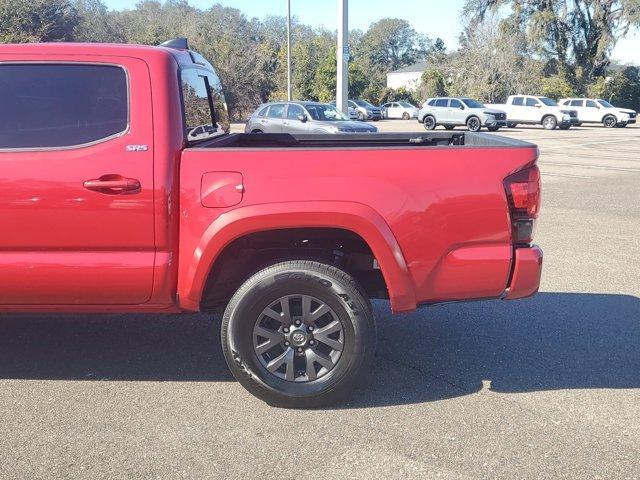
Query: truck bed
(379, 140)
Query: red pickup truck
(122, 190)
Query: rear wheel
(405, 116)
(609, 121)
(299, 334)
(429, 122)
(473, 124)
(549, 122)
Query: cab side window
(591, 104)
(441, 102)
(61, 105)
(455, 104)
(531, 102)
(518, 101)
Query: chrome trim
(81, 145)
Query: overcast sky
(435, 18)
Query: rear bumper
(527, 270)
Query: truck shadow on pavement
(549, 342)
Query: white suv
(451, 112)
(596, 110)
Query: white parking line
(599, 167)
(570, 145)
(568, 175)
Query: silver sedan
(301, 118)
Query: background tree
(575, 37)
(37, 21)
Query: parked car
(351, 112)
(595, 110)
(537, 110)
(452, 112)
(303, 117)
(401, 109)
(364, 110)
(109, 206)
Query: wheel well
(251, 253)
(470, 116)
(256, 130)
(548, 115)
(609, 115)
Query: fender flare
(355, 217)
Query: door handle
(113, 185)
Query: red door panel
(65, 241)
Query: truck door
(533, 110)
(76, 202)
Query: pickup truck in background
(452, 112)
(596, 110)
(537, 110)
(109, 205)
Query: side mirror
(461, 107)
(302, 118)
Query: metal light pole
(289, 50)
(342, 56)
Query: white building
(407, 77)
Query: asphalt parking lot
(547, 387)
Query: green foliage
(431, 84)
(557, 87)
(622, 88)
(37, 21)
(574, 37)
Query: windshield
(406, 104)
(326, 113)
(548, 102)
(362, 103)
(605, 104)
(472, 103)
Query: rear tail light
(523, 194)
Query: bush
(557, 87)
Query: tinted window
(605, 104)
(294, 111)
(575, 103)
(204, 103)
(548, 102)
(263, 112)
(472, 103)
(441, 102)
(43, 106)
(531, 102)
(431, 103)
(455, 103)
(592, 104)
(518, 101)
(276, 111)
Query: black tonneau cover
(367, 140)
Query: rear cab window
(35, 101)
(205, 109)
